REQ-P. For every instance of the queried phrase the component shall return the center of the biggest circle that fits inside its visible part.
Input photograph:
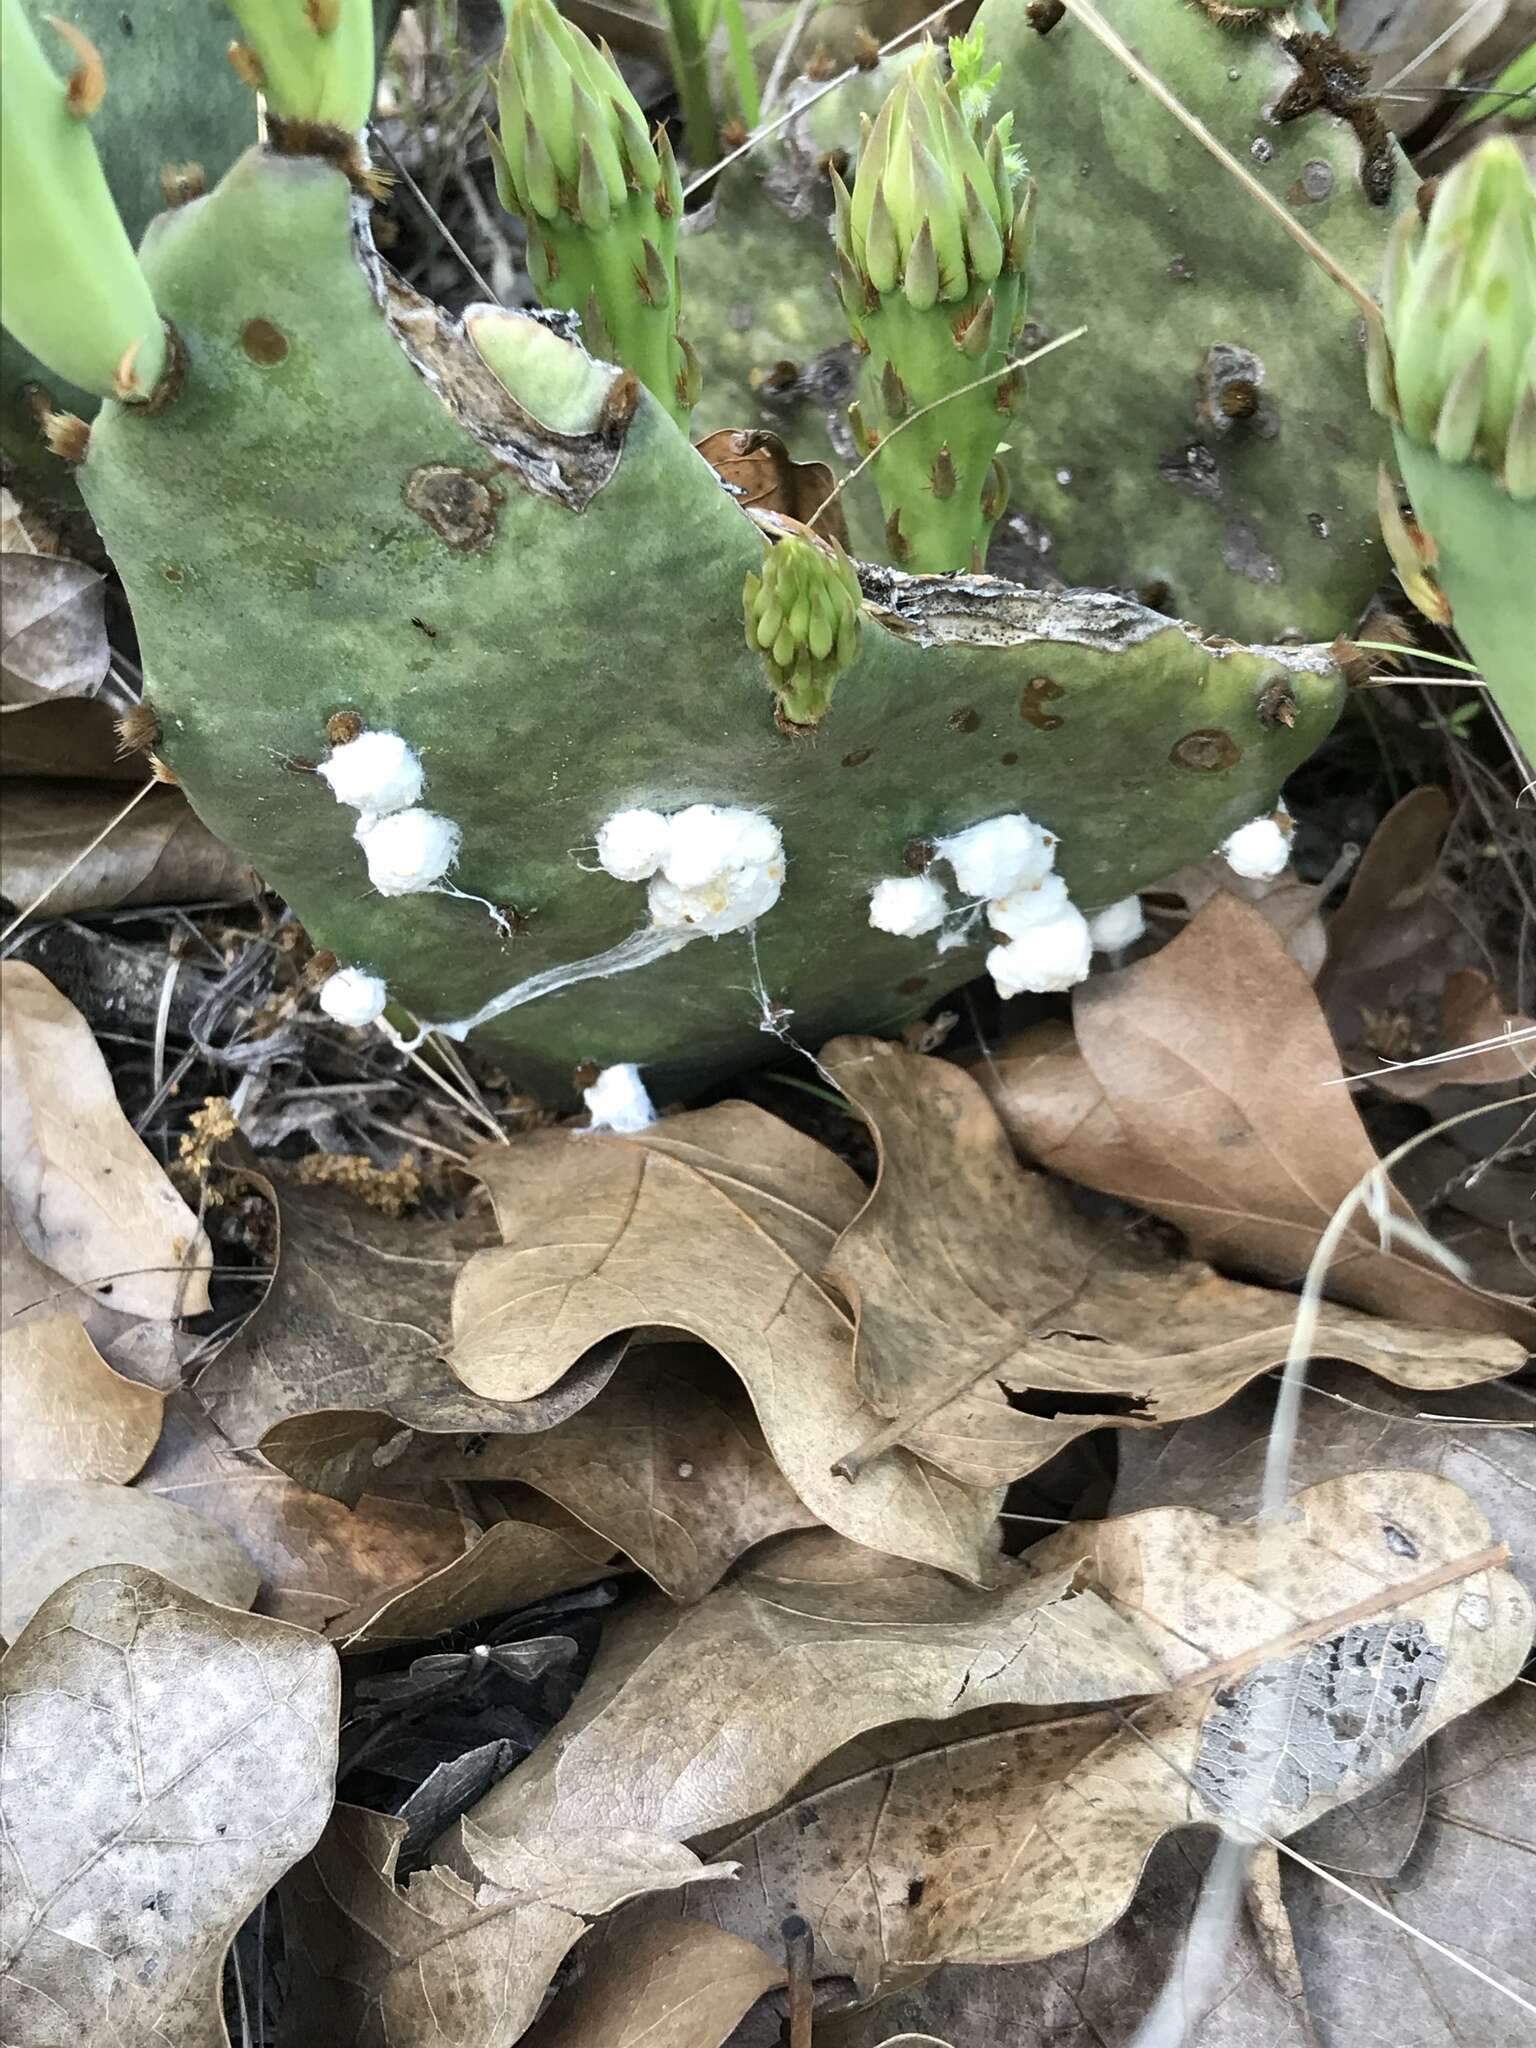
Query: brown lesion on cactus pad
(1038, 692)
(1229, 391)
(263, 341)
(1277, 703)
(342, 727)
(459, 506)
(1336, 81)
(918, 855)
(966, 719)
(858, 757)
(1207, 751)
(913, 985)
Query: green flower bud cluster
(71, 289)
(600, 195)
(1459, 307)
(931, 247)
(1453, 366)
(805, 616)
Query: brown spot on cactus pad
(263, 342)
(913, 985)
(966, 719)
(1208, 751)
(1277, 703)
(342, 727)
(1038, 692)
(858, 757)
(917, 856)
(458, 506)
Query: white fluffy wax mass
(725, 903)
(1047, 958)
(376, 772)
(618, 1100)
(999, 855)
(713, 839)
(408, 851)
(907, 905)
(352, 997)
(1120, 924)
(1015, 914)
(632, 845)
(1258, 850)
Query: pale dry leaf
(88, 1197)
(1467, 1885)
(1438, 39)
(54, 642)
(64, 1413)
(1471, 1014)
(1302, 1662)
(1216, 1064)
(1293, 907)
(996, 1323)
(73, 739)
(49, 1534)
(681, 1984)
(814, 1642)
(1348, 1423)
(160, 853)
(378, 1964)
(668, 1463)
(355, 1322)
(164, 1762)
(318, 1560)
(1093, 1997)
(614, 1235)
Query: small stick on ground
(799, 1954)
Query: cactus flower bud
(804, 616)
(600, 195)
(931, 243)
(1455, 371)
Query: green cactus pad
(1125, 473)
(553, 620)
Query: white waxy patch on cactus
(408, 851)
(618, 1100)
(907, 905)
(1259, 850)
(724, 870)
(999, 855)
(1118, 925)
(377, 773)
(632, 845)
(353, 997)
(1023, 909)
(1045, 959)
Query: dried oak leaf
(55, 638)
(355, 1323)
(64, 1413)
(378, 1964)
(690, 1722)
(681, 1984)
(706, 1226)
(668, 1464)
(1302, 1661)
(87, 1196)
(757, 464)
(975, 1280)
(1210, 1098)
(160, 853)
(164, 1762)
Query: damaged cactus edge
(500, 562)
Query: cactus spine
(601, 198)
(931, 247)
(1456, 374)
(71, 289)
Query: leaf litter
(713, 1362)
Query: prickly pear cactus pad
(345, 524)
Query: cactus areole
(596, 824)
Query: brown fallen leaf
(1093, 1997)
(1291, 906)
(160, 853)
(69, 739)
(1348, 1423)
(1302, 1661)
(996, 1323)
(64, 1413)
(164, 1762)
(54, 642)
(1471, 1015)
(49, 1534)
(356, 1319)
(668, 1464)
(607, 1235)
(1215, 1066)
(318, 1560)
(756, 463)
(89, 1199)
(373, 1962)
(1372, 1984)
(723, 1712)
(678, 1985)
